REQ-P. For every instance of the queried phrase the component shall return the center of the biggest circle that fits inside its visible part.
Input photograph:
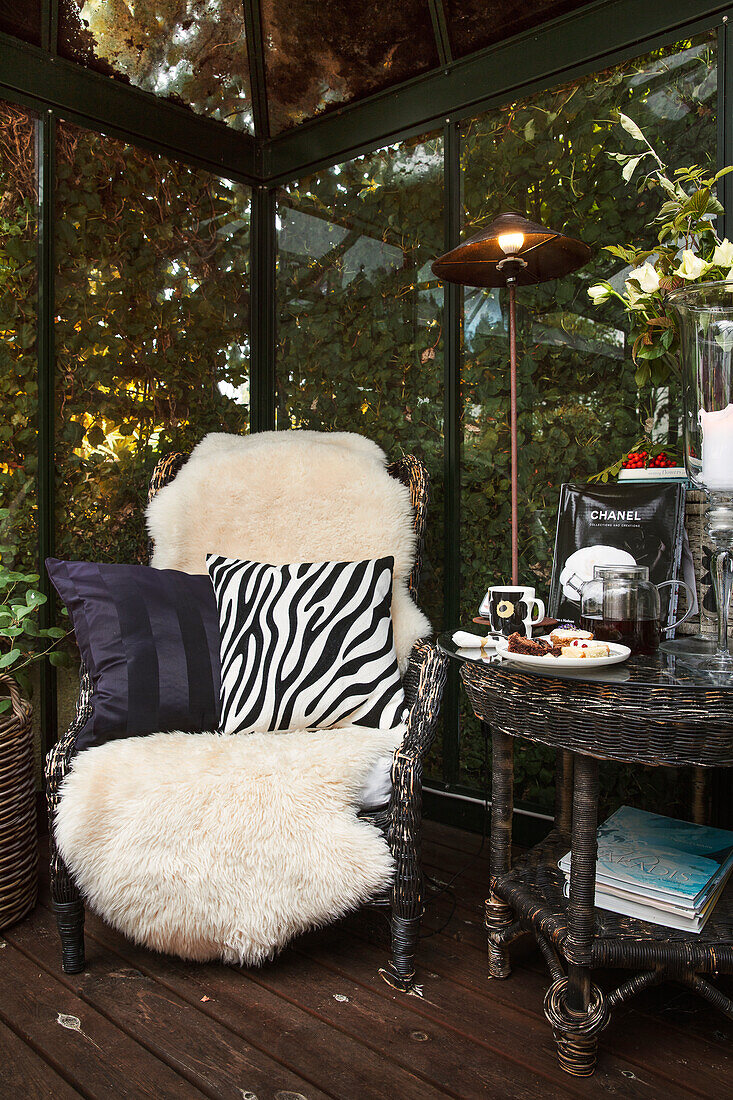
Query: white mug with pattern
(512, 608)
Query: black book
(620, 524)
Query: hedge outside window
(18, 329)
(360, 338)
(152, 330)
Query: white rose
(599, 293)
(692, 266)
(633, 295)
(647, 277)
(723, 255)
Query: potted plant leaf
(22, 642)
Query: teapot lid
(622, 572)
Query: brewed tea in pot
(620, 604)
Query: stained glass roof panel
(191, 51)
(319, 56)
(474, 24)
(22, 19)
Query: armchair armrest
(58, 760)
(424, 683)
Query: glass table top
(662, 670)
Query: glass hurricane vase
(705, 314)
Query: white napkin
(472, 641)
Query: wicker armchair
(400, 821)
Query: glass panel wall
(18, 332)
(152, 330)
(579, 406)
(360, 337)
(193, 52)
(18, 352)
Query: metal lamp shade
(481, 261)
(547, 255)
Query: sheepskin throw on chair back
(285, 497)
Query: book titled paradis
(619, 524)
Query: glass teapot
(620, 604)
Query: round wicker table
(650, 710)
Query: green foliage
(360, 344)
(22, 640)
(191, 51)
(151, 333)
(579, 399)
(687, 251)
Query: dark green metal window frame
(603, 34)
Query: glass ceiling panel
(319, 56)
(191, 51)
(21, 19)
(473, 24)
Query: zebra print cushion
(306, 646)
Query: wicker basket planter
(18, 834)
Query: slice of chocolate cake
(532, 647)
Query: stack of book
(659, 869)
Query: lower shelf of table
(534, 889)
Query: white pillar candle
(717, 448)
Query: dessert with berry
(585, 650)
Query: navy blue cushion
(150, 639)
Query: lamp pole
(511, 285)
(511, 267)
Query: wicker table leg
(563, 790)
(573, 1005)
(701, 796)
(499, 915)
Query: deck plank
(494, 1027)
(79, 1043)
(297, 1033)
(19, 1062)
(397, 1026)
(320, 1022)
(208, 1055)
(457, 977)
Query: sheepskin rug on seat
(211, 847)
(284, 497)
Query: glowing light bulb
(510, 243)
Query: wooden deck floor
(319, 1022)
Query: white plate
(619, 653)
